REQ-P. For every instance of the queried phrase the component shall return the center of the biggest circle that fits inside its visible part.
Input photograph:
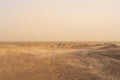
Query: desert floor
(60, 61)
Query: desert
(60, 61)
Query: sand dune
(59, 61)
(108, 46)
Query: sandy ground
(59, 61)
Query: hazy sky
(59, 20)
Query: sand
(60, 61)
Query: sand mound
(108, 46)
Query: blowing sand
(59, 61)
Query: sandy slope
(59, 61)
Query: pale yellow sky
(59, 20)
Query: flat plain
(60, 61)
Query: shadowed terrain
(60, 61)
